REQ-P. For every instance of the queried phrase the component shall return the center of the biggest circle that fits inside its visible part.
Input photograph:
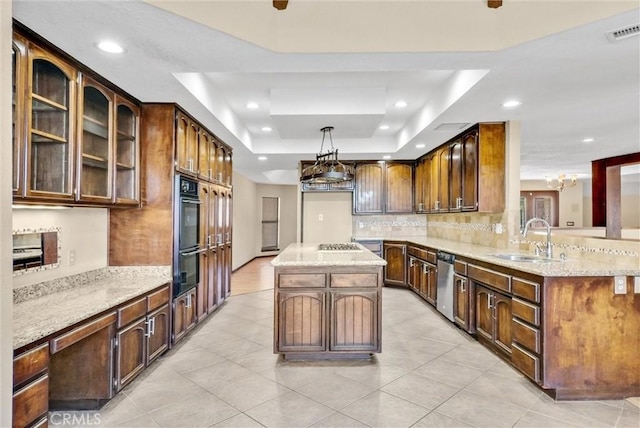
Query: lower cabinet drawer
(526, 362)
(525, 311)
(301, 280)
(31, 402)
(30, 364)
(354, 280)
(528, 337)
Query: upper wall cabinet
(75, 139)
(50, 112)
(18, 91)
(95, 142)
(399, 188)
(127, 152)
(382, 187)
(199, 153)
(464, 174)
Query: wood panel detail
(302, 321)
(302, 280)
(489, 277)
(31, 402)
(76, 335)
(132, 312)
(354, 318)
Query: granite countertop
(307, 254)
(557, 267)
(44, 309)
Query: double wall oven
(187, 248)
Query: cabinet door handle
(425, 269)
(462, 286)
(459, 202)
(437, 205)
(153, 325)
(148, 328)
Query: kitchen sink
(523, 258)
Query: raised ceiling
(346, 63)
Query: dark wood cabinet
(50, 112)
(368, 196)
(127, 153)
(185, 315)
(295, 335)
(461, 299)
(422, 273)
(493, 318)
(31, 386)
(354, 317)
(327, 312)
(398, 188)
(186, 144)
(94, 179)
(141, 341)
(382, 187)
(18, 92)
(75, 136)
(469, 181)
(396, 268)
(421, 197)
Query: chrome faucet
(546, 251)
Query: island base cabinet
(327, 312)
(301, 321)
(355, 321)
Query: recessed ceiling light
(266, 128)
(511, 103)
(252, 105)
(386, 157)
(110, 46)
(262, 158)
(400, 104)
(588, 140)
(420, 146)
(384, 127)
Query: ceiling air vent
(623, 33)
(451, 126)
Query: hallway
(430, 374)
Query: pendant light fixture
(327, 169)
(560, 183)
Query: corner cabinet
(327, 312)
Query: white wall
(6, 296)
(247, 217)
(288, 213)
(326, 217)
(244, 222)
(82, 230)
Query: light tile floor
(429, 374)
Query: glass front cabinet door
(18, 65)
(95, 143)
(51, 117)
(127, 152)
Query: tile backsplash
(376, 226)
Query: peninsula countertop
(308, 254)
(43, 309)
(555, 268)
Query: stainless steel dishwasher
(444, 298)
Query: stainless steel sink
(523, 258)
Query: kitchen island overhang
(327, 302)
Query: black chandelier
(327, 169)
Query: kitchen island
(327, 301)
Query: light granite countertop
(557, 267)
(43, 309)
(307, 254)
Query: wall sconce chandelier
(327, 169)
(561, 182)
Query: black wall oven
(187, 231)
